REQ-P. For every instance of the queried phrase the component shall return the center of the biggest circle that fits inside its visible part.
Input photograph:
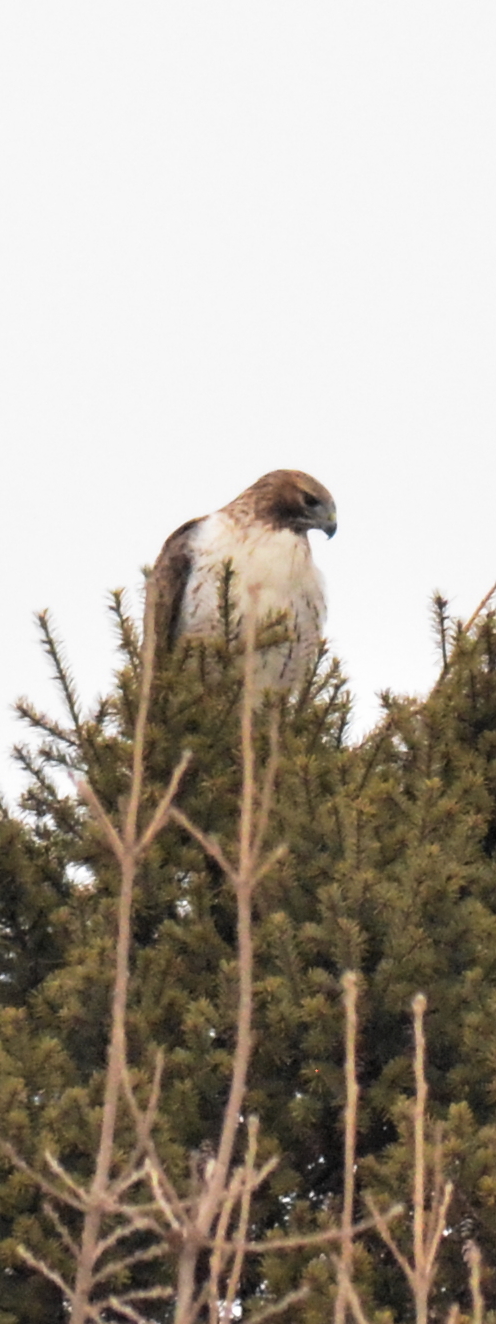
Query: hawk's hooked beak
(330, 524)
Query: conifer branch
(441, 622)
(62, 672)
(40, 722)
(128, 635)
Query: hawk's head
(289, 499)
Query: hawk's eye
(310, 500)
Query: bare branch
(60, 1227)
(141, 1294)
(279, 853)
(221, 1248)
(382, 1226)
(209, 844)
(268, 787)
(137, 1223)
(127, 1311)
(87, 793)
(453, 1315)
(116, 1266)
(477, 612)
(350, 1292)
(147, 657)
(38, 1180)
(248, 753)
(349, 983)
(162, 811)
(419, 1005)
(439, 1228)
(291, 1299)
(59, 1171)
(319, 1238)
(473, 1257)
(246, 1192)
(161, 1198)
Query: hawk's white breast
(278, 563)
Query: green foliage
(389, 870)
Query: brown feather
(172, 569)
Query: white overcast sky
(238, 235)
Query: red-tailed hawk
(263, 534)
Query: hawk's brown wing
(171, 572)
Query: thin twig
(161, 814)
(253, 1128)
(439, 1228)
(473, 1257)
(382, 1227)
(221, 1248)
(453, 1315)
(477, 612)
(161, 1198)
(268, 786)
(279, 853)
(113, 1267)
(60, 1227)
(65, 1177)
(134, 1316)
(350, 1293)
(291, 1299)
(44, 1269)
(318, 1238)
(350, 986)
(419, 1005)
(38, 1180)
(147, 658)
(248, 786)
(209, 844)
(87, 793)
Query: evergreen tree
(389, 871)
